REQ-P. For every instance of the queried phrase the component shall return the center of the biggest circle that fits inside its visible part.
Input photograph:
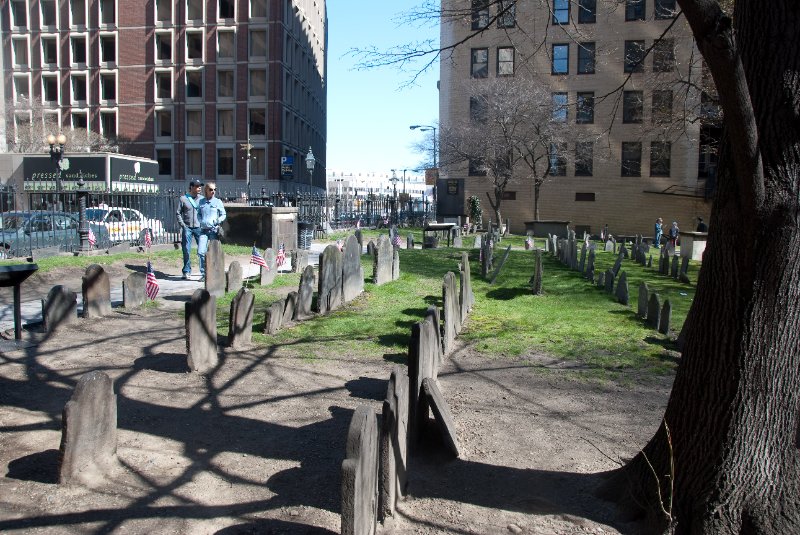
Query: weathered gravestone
(89, 432)
(410, 241)
(383, 261)
(622, 289)
(608, 281)
(590, 263)
(299, 260)
(268, 273)
(352, 272)
(305, 295)
(623, 251)
(133, 295)
(643, 299)
(684, 265)
(538, 273)
(441, 413)
(601, 280)
(554, 240)
(458, 242)
(424, 356)
(451, 311)
(215, 269)
(235, 276)
(289, 308)
(394, 442)
(609, 246)
(273, 317)
(371, 248)
(478, 242)
(650, 261)
(466, 296)
(666, 318)
(201, 332)
(360, 238)
(582, 263)
(240, 325)
(653, 311)
(395, 264)
(360, 474)
(547, 244)
(96, 290)
(329, 288)
(675, 266)
(59, 308)
(617, 265)
(500, 265)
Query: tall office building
(621, 76)
(185, 82)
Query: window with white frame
(108, 86)
(108, 48)
(163, 47)
(79, 120)
(49, 50)
(225, 84)
(226, 45)
(194, 11)
(108, 123)
(19, 13)
(22, 88)
(194, 162)
(163, 84)
(258, 83)
(164, 159)
(258, 9)
(80, 87)
(108, 12)
(19, 47)
(258, 43)
(225, 126)
(194, 124)
(505, 61)
(226, 9)
(50, 89)
(257, 122)
(163, 123)
(194, 83)
(77, 49)
(164, 12)
(225, 161)
(48, 13)
(77, 13)
(194, 45)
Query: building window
(164, 123)
(258, 43)
(480, 14)
(632, 107)
(560, 59)
(194, 84)
(257, 122)
(634, 56)
(587, 11)
(48, 13)
(194, 44)
(194, 124)
(662, 107)
(50, 88)
(559, 107)
(226, 45)
(79, 120)
(78, 49)
(225, 84)
(227, 9)
(164, 159)
(194, 162)
(505, 61)
(477, 167)
(224, 123)
(584, 158)
(194, 10)
(558, 159)
(164, 11)
(258, 83)
(108, 12)
(561, 11)
(258, 162)
(664, 9)
(479, 66)
(108, 124)
(584, 196)
(108, 48)
(631, 158)
(478, 109)
(20, 52)
(664, 55)
(22, 88)
(19, 13)
(258, 9)
(225, 162)
(507, 14)
(585, 108)
(77, 13)
(79, 90)
(108, 86)
(634, 10)
(164, 46)
(50, 51)
(586, 58)
(163, 84)
(660, 153)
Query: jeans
(186, 246)
(202, 247)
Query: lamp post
(57, 155)
(394, 180)
(426, 128)
(83, 224)
(310, 163)
(246, 147)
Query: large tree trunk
(733, 411)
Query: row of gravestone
(375, 470)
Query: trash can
(305, 233)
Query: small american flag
(528, 243)
(148, 240)
(397, 241)
(151, 284)
(280, 258)
(257, 259)
(92, 239)
(339, 244)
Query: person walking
(674, 232)
(211, 213)
(658, 233)
(189, 221)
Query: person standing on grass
(658, 233)
(189, 221)
(212, 214)
(674, 232)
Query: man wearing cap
(211, 212)
(189, 220)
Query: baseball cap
(195, 182)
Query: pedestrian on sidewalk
(189, 220)
(212, 214)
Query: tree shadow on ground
(271, 526)
(165, 363)
(507, 294)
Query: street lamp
(57, 155)
(394, 180)
(247, 147)
(310, 163)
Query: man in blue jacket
(211, 213)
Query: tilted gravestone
(240, 325)
(643, 299)
(96, 290)
(451, 312)
(235, 276)
(352, 272)
(608, 282)
(441, 413)
(329, 286)
(675, 266)
(268, 273)
(299, 260)
(653, 311)
(395, 264)
(273, 317)
(666, 318)
(622, 289)
(383, 261)
(201, 332)
(215, 269)
(89, 432)
(133, 295)
(305, 295)
(538, 273)
(59, 308)
(394, 442)
(424, 355)
(360, 474)
(617, 265)
(289, 308)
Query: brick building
(185, 82)
(613, 79)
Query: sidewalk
(32, 310)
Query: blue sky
(368, 111)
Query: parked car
(124, 224)
(21, 233)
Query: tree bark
(733, 411)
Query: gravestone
(623, 251)
(478, 242)
(554, 239)
(410, 241)
(133, 295)
(458, 242)
(538, 273)
(601, 280)
(547, 244)
(273, 317)
(240, 325)
(622, 289)
(299, 260)
(360, 239)
(395, 264)
(666, 318)
(653, 311)
(582, 263)
(360, 474)
(235, 276)
(215, 269)
(289, 308)
(590, 264)
(467, 293)
(441, 413)
(424, 356)
(500, 265)
(88, 448)
(609, 246)
(675, 266)
(329, 288)
(617, 265)
(684, 265)
(394, 442)
(59, 308)
(650, 261)
(352, 272)
(451, 312)
(268, 273)
(96, 290)
(371, 248)
(589, 275)
(201, 332)
(609, 281)
(643, 297)
(383, 261)
(305, 295)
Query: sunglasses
(211, 189)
